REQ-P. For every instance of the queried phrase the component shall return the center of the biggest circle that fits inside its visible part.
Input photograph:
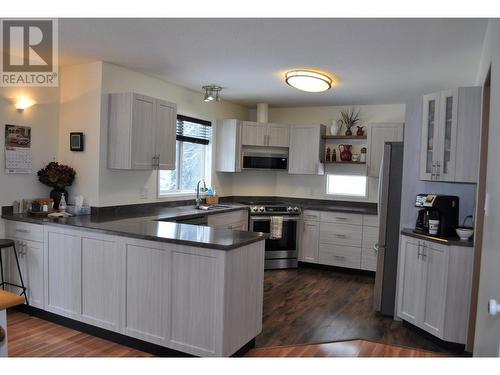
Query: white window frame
(186, 193)
(361, 197)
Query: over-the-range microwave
(255, 160)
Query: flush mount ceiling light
(212, 93)
(308, 80)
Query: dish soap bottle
(62, 204)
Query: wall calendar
(18, 149)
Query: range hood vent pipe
(262, 112)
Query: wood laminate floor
(353, 348)
(33, 337)
(301, 306)
(310, 305)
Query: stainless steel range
(282, 252)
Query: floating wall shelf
(345, 162)
(344, 137)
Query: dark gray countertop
(367, 208)
(155, 229)
(450, 241)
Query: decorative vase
(348, 132)
(56, 195)
(345, 152)
(335, 128)
(360, 131)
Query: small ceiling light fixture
(23, 103)
(212, 93)
(308, 80)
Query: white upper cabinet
(306, 149)
(142, 132)
(264, 134)
(228, 146)
(278, 135)
(450, 135)
(254, 133)
(165, 134)
(377, 135)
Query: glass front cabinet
(450, 134)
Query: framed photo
(76, 141)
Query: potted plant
(349, 118)
(57, 176)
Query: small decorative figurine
(334, 155)
(328, 151)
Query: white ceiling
(378, 61)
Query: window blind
(190, 129)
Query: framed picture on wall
(76, 141)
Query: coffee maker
(439, 207)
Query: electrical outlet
(143, 193)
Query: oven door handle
(267, 218)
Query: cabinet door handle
(22, 230)
(438, 169)
(375, 248)
(424, 253)
(418, 251)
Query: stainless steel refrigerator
(389, 208)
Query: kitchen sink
(210, 207)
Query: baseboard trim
(154, 349)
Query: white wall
(123, 187)
(283, 184)
(487, 335)
(43, 120)
(80, 112)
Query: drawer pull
(22, 230)
(341, 218)
(340, 236)
(339, 257)
(310, 217)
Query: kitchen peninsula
(191, 288)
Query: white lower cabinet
(309, 241)
(29, 245)
(102, 267)
(146, 292)
(434, 285)
(237, 220)
(30, 256)
(339, 239)
(200, 301)
(63, 260)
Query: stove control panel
(285, 210)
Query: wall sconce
(23, 103)
(212, 93)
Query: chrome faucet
(198, 198)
